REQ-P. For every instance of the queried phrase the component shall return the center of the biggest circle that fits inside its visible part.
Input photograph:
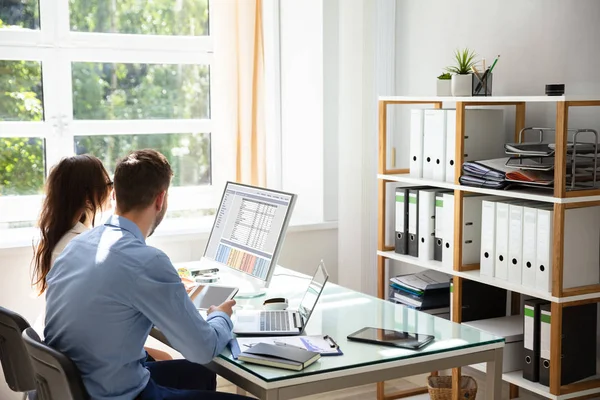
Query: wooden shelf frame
(560, 200)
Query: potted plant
(462, 81)
(443, 87)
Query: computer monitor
(247, 235)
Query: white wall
(357, 144)
(308, 107)
(539, 41)
(302, 251)
(301, 44)
(330, 107)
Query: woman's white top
(79, 228)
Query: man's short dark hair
(139, 178)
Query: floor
(366, 392)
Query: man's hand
(226, 307)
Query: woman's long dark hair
(77, 187)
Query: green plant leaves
(464, 59)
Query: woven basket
(440, 387)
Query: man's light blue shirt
(105, 292)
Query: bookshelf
(560, 198)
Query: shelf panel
(516, 378)
(492, 99)
(535, 195)
(477, 277)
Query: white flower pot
(444, 87)
(462, 85)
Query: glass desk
(340, 312)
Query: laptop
(283, 323)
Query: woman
(77, 190)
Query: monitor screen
(249, 229)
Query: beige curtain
(236, 26)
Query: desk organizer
(482, 84)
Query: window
(105, 77)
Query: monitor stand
(226, 276)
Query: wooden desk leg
(380, 390)
(493, 377)
(513, 391)
(240, 391)
(456, 381)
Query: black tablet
(388, 337)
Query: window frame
(57, 47)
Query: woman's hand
(189, 284)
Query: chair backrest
(56, 376)
(13, 355)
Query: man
(108, 288)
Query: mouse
(276, 304)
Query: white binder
(438, 246)
(544, 236)
(528, 265)
(488, 237)
(471, 246)
(515, 243)
(426, 223)
(434, 145)
(448, 251)
(483, 137)
(416, 143)
(500, 264)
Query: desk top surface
(342, 311)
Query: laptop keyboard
(274, 321)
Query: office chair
(13, 355)
(56, 376)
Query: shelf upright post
(558, 249)
(381, 169)
(519, 119)
(560, 152)
(459, 194)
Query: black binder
(481, 301)
(401, 242)
(413, 237)
(578, 343)
(531, 342)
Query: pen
(288, 345)
(330, 339)
(494, 63)
(476, 72)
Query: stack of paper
(494, 174)
(427, 290)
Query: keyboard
(274, 321)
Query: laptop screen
(315, 288)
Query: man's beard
(158, 220)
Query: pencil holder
(482, 85)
